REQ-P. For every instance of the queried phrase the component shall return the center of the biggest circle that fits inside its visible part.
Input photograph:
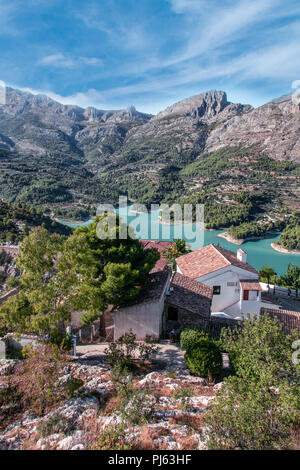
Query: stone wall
(188, 319)
(185, 320)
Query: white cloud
(90, 98)
(59, 60)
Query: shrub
(61, 340)
(259, 408)
(183, 394)
(189, 336)
(112, 438)
(204, 358)
(38, 378)
(126, 349)
(132, 406)
(260, 351)
(56, 423)
(247, 416)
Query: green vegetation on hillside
(237, 185)
(73, 213)
(17, 220)
(290, 237)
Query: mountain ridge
(88, 130)
(201, 147)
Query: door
(246, 294)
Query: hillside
(203, 148)
(96, 407)
(17, 220)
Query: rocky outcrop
(205, 122)
(273, 128)
(35, 123)
(205, 106)
(170, 425)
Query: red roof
(194, 286)
(161, 247)
(190, 295)
(289, 319)
(209, 259)
(250, 284)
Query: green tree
(292, 277)
(82, 273)
(266, 274)
(113, 271)
(179, 247)
(45, 294)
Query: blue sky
(150, 53)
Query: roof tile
(209, 259)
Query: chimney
(241, 255)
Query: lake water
(260, 252)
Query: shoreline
(72, 221)
(240, 241)
(280, 249)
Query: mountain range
(53, 154)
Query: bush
(126, 349)
(61, 340)
(112, 438)
(204, 358)
(259, 408)
(183, 394)
(38, 378)
(247, 416)
(190, 336)
(55, 424)
(260, 351)
(134, 408)
(133, 402)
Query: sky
(150, 53)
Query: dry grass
(195, 422)
(146, 441)
(112, 404)
(91, 428)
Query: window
(172, 313)
(216, 290)
(231, 284)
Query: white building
(235, 283)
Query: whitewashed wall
(229, 294)
(142, 319)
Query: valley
(242, 163)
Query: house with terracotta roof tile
(161, 247)
(235, 283)
(168, 301)
(187, 303)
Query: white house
(235, 283)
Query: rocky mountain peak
(205, 105)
